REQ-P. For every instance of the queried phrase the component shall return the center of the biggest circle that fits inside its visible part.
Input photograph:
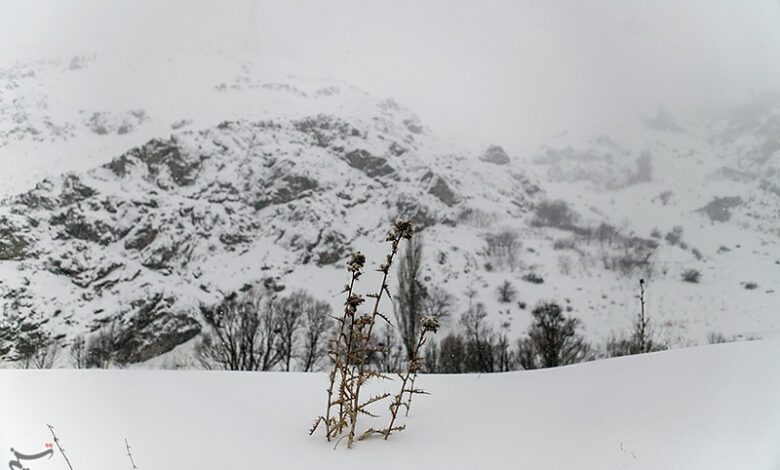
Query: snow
(706, 408)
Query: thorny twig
(57, 442)
(130, 454)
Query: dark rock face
(330, 247)
(77, 225)
(13, 245)
(142, 238)
(154, 330)
(370, 165)
(286, 189)
(442, 190)
(159, 217)
(324, 129)
(414, 126)
(411, 209)
(74, 191)
(495, 154)
(719, 209)
(162, 157)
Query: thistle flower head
(363, 320)
(353, 302)
(430, 323)
(401, 230)
(356, 262)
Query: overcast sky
(501, 71)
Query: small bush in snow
(533, 278)
(553, 214)
(716, 338)
(691, 275)
(552, 340)
(506, 292)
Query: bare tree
(317, 324)
(438, 303)
(452, 354)
(552, 340)
(36, 349)
(244, 335)
(78, 352)
(432, 358)
(503, 248)
(410, 297)
(290, 311)
(480, 340)
(504, 356)
(102, 347)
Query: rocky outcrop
(495, 154)
(372, 166)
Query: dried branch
(59, 446)
(130, 454)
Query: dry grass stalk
(59, 447)
(130, 454)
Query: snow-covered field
(708, 408)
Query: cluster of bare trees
(552, 340)
(25, 342)
(264, 332)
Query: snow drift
(709, 408)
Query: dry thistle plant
(353, 345)
(428, 324)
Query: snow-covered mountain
(179, 184)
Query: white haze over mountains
(516, 73)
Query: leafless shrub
(533, 278)
(243, 336)
(103, 347)
(552, 340)
(503, 249)
(477, 218)
(78, 352)
(504, 355)
(506, 292)
(555, 214)
(691, 275)
(438, 303)
(35, 348)
(289, 313)
(480, 340)
(452, 354)
(317, 324)
(716, 338)
(674, 237)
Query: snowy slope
(710, 408)
(239, 175)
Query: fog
(510, 72)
